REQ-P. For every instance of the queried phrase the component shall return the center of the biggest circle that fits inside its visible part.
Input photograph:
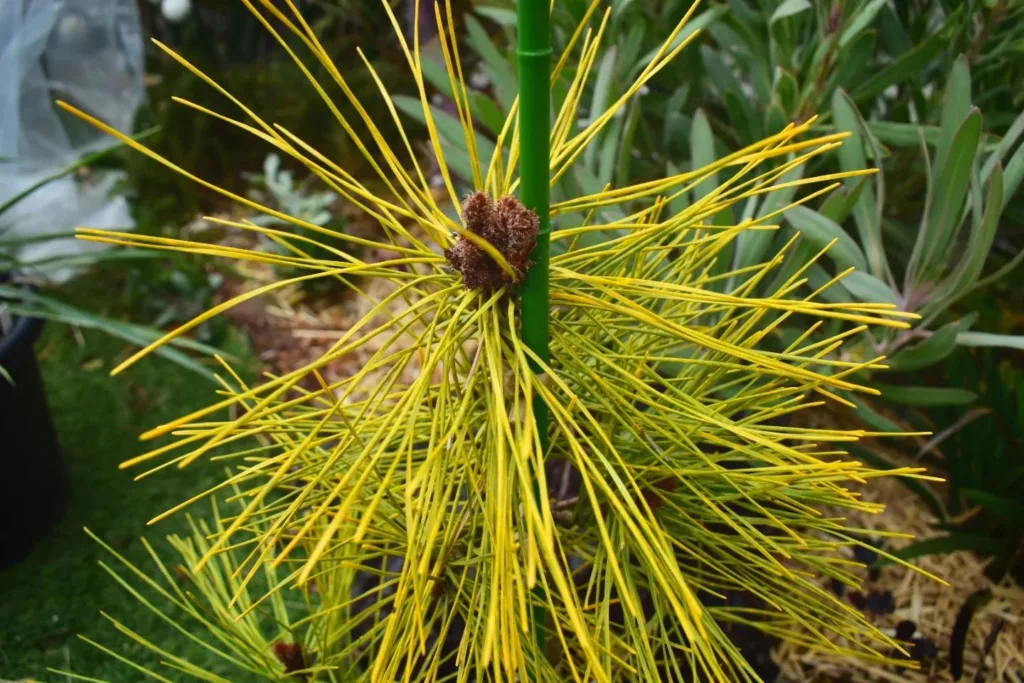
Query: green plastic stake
(534, 51)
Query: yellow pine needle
(385, 515)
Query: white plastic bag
(88, 52)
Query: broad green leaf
(895, 134)
(799, 254)
(788, 8)
(821, 231)
(84, 258)
(869, 289)
(946, 203)
(867, 211)
(861, 21)
(956, 105)
(620, 6)
(675, 206)
(742, 116)
(925, 397)
(1006, 341)
(927, 353)
(499, 68)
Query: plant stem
(534, 51)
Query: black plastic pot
(34, 484)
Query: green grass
(59, 591)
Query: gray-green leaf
(868, 288)
(821, 231)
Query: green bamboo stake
(534, 52)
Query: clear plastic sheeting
(90, 53)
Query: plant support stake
(534, 51)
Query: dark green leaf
(909, 64)
(954, 542)
(929, 352)
(600, 101)
(741, 112)
(925, 397)
(903, 134)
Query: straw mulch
(932, 607)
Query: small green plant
(400, 522)
(278, 188)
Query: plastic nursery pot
(34, 484)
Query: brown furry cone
(509, 226)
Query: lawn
(59, 591)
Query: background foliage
(928, 88)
